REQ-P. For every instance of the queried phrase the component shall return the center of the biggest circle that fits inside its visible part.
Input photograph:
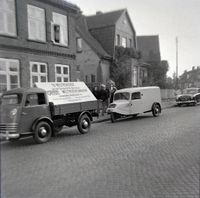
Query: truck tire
(84, 124)
(156, 109)
(42, 132)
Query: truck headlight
(13, 112)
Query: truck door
(136, 103)
(35, 106)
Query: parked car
(190, 96)
(133, 101)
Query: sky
(167, 18)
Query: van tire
(84, 124)
(42, 132)
(156, 109)
(113, 117)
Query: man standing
(103, 96)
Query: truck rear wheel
(42, 132)
(84, 124)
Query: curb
(107, 119)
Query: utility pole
(176, 62)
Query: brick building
(190, 78)
(37, 42)
(113, 29)
(93, 62)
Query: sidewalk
(168, 103)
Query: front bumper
(8, 131)
(185, 102)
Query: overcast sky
(166, 18)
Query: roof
(135, 89)
(104, 19)
(64, 4)
(82, 30)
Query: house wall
(25, 50)
(123, 28)
(91, 64)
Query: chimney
(99, 12)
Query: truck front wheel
(84, 124)
(42, 132)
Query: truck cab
(20, 108)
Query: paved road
(142, 157)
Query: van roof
(135, 89)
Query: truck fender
(87, 113)
(44, 118)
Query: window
(136, 95)
(9, 74)
(93, 79)
(78, 69)
(130, 43)
(78, 44)
(36, 23)
(118, 40)
(135, 78)
(86, 79)
(7, 17)
(62, 73)
(38, 72)
(35, 99)
(11, 99)
(60, 29)
(124, 43)
(122, 96)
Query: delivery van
(134, 101)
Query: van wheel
(156, 110)
(113, 117)
(42, 132)
(84, 124)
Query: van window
(122, 96)
(136, 95)
(35, 99)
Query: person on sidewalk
(103, 96)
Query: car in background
(190, 96)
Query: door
(136, 103)
(35, 106)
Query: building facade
(93, 62)
(190, 78)
(115, 29)
(37, 42)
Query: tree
(120, 70)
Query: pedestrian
(113, 90)
(95, 91)
(103, 96)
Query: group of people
(104, 95)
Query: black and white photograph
(99, 99)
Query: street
(142, 157)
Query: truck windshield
(190, 91)
(122, 96)
(11, 99)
